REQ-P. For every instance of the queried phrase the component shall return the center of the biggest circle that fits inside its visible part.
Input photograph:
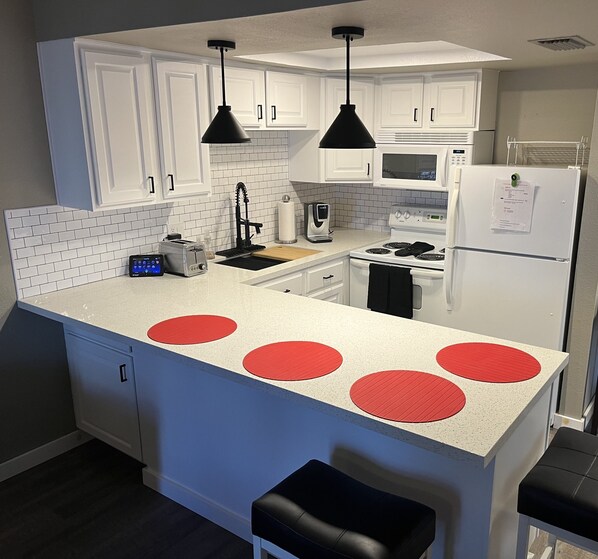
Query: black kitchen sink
(250, 262)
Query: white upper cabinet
(245, 93)
(457, 100)
(264, 99)
(452, 101)
(121, 127)
(401, 102)
(115, 141)
(286, 95)
(308, 163)
(342, 165)
(182, 117)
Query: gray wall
(35, 400)
(559, 103)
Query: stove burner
(430, 256)
(377, 251)
(396, 245)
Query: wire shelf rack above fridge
(544, 152)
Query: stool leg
(522, 537)
(258, 551)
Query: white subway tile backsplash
(53, 247)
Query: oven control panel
(414, 216)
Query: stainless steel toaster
(185, 258)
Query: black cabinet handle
(152, 189)
(368, 173)
(171, 177)
(432, 114)
(273, 112)
(260, 114)
(123, 373)
(328, 277)
(287, 291)
(415, 114)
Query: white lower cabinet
(103, 386)
(325, 281)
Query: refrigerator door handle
(448, 277)
(452, 209)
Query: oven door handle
(431, 274)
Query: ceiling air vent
(563, 43)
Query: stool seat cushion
(320, 513)
(562, 488)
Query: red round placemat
(292, 360)
(488, 362)
(192, 329)
(407, 396)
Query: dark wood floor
(91, 503)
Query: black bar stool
(560, 493)
(320, 513)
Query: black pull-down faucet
(245, 243)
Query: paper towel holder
(290, 215)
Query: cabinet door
(103, 386)
(452, 101)
(333, 295)
(182, 117)
(286, 95)
(122, 130)
(401, 103)
(349, 164)
(244, 93)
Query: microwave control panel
(459, 155)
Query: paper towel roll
(286, 222)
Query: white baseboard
(199, 504)
(572, 422)
(38, 455)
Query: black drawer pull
(328, 277)
(260, 115)
(123, 373)
(171, 177)
(273, 112)
(432, 114)
(152, 189)
(415, 114)
(287, 291)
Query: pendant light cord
(222, 71)
(348, 39)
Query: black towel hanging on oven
(390, 290)
(378, 287)
(400, 293)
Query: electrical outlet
(173, 228)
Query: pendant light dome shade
(224, 128)
(347, 131)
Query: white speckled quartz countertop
(368, 341)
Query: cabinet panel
(291, 283)
(326, 275)
(122, 130)
(353, 164)
(244, 93)
(401, 103)
(452, 101)
(104, 396)
(334, 294)
(182, 116)
(287, 99)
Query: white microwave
(425, 166)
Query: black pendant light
(347, 131)
(224, 128)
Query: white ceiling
(500, 27)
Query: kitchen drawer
(334, 294)
(291, 283)
(323, 276)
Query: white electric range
(416, 242)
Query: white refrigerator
(511, 235)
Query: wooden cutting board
(285, 253)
